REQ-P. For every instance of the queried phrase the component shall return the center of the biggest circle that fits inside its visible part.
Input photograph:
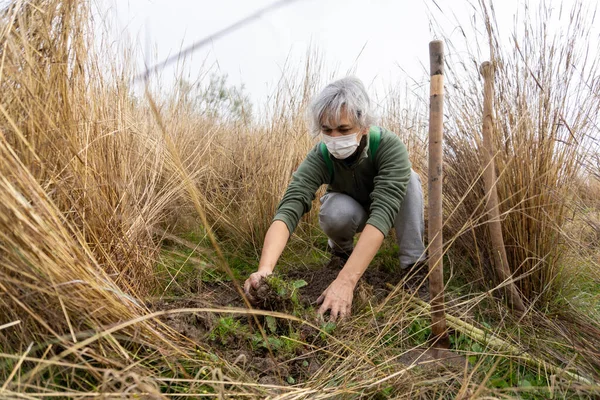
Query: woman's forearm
(367, 246)
(275, 241)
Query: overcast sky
(382, 42)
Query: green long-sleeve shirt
(379, 185)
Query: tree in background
(217, 100)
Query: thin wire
(155, 68)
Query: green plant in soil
(276, 294)
(506, 373)
(227, 329)
(419, 331)
(282, 337)
(284, 345)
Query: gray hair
(348, 93)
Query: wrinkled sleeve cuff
(290, 225)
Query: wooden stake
(436, 124)
(489, 177)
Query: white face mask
(341, 147)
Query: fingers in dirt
(255, 281)
(336, 313)
(323, 309)
(250, 298)
(320, 299)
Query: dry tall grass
(72, 128)
(81, 188)
(546, 114)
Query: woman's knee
(340, 214)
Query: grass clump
(277, 294)
(544, 110)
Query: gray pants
(341, 217)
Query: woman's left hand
(337, 298)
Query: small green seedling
(226, 329)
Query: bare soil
(373, 281)
(286, 367)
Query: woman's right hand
(253, 282)
(275, 240)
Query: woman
(371, 188)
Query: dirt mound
(373, 283)
(286, 355)
(266, 297)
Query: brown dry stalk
(436, 248)
(489, 176)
